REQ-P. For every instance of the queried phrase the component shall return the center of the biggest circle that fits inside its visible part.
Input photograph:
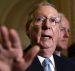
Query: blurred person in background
(63, 35)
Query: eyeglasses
(52, 20)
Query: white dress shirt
(58, 53)
(52, 65)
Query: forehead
(46, 10)
(65, 22)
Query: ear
(27, 32)
(27, 28)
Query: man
(42, 29)
(63, 35)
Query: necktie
(46, 64)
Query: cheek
(34, 30)
(56, 32)
(61, 34)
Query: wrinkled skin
(38, 29)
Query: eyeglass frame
(42, 19)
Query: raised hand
(10, 47)
(10, 44)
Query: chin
(48, 52)
(65, 47)
(46, 44)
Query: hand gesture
(10, 47)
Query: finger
(5, 37)
(2, 52)
(32, 52)
(0, 48)
(39, 36)
(15, 38)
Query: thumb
(31, 53)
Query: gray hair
(35, 7)
(61, 15)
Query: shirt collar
(41, 59)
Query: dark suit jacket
(61, 64)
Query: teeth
(46, 37)
(47, 34)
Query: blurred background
(13, 14)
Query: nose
(66, 34)
(46, 24)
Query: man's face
(64, 34)
(44, 28)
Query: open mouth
(47, 36)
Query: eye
(62, 29)
(39, 19)
(52, 20)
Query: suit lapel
(35, 66)
(58, 63)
